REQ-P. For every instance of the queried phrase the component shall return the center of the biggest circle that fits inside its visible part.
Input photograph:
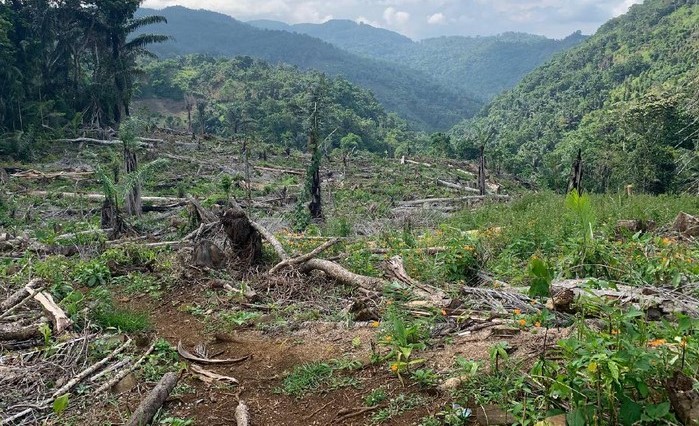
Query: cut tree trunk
(133, 200)
(155, 399)
(481, 172)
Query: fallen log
(304, 258)
(456, 186)
(57, 316)
(242, 414)
(334, 270)
(277, 170)
(32, 174)
(20, 333)
(656, 302)
(102, 142)
(20, 294)
(453, 200)
(154, 400)
(100, 197)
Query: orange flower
(615, 332)
(375, 324)
(394, 367)
(657, 342)
(518, 312)
(683, 343)
(522, 323)
(444, 312)
(538, 323)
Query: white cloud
(436, 19)
(392, 16)
(554, 18)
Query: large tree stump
(245, 240)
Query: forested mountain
(627, 97)
(247, 97)
(413, 95)
(354, 37)
(484, 66)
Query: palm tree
(116, 24)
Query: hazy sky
(429, 18)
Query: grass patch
(318, 376)
(122, 319)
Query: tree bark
(155, 399)
(133, 197)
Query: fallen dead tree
(154, 400)
(456, 200)
(32, 174)
(112, 142)
(308, 263)
(191, 357)
(100, 197)
(570, 295)
(457, 187)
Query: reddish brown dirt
(273, 356)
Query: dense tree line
(246, 97)
(624, 97)
(69, 62)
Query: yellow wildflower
(537, 324)
(444, 312)
(375, 324)
(388, 338)
(394, 367)
(615, 332)
(522, 323)
(657, 342)
(518, 312)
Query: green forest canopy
(247, 97)
(626, 97)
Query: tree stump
(245, 240)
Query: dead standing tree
(315, 206)
(132, 202)
(576, 174)
(481, 172)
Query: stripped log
(155, 399)
(456, 186)
(20, 294)
(455, 200)
(242, 414)
(100, 197)
(58, 317)
(304, 258)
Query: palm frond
(109, 188)
(144, 172)
(144, 21)
(144, 40)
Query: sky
(420, 19)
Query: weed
(312, 377)
(121, 319)
(306, 378)
(396, 407)
(239, 318)
(425, 377)
(375, 397)
(92, 273)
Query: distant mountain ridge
(484, 66)
(412, 94)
